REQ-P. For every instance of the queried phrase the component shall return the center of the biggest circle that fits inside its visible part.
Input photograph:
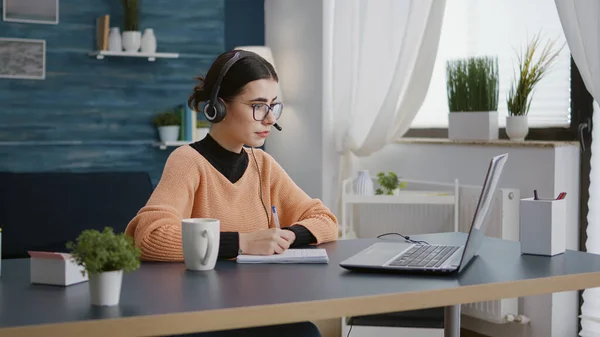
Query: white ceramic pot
(473, 125)
(168, 133)
(517, 127)
(114, 40)
(105, 288)
(201, 133)
(148, 41)
(132, 41)
(363, 185)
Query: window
(501, 28)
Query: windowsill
(498, 143)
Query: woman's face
(244, 120)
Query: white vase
(114, 40)
(168, 133)
(201, 133)
(148, 41)
(105, 288)
(481, 125)
(517, 127)
(363, 185)
(132, 40)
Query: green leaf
(530, 72)
(104, 251)
(472, 84)
(388, 182)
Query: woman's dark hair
(243, 71)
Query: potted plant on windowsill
(519, 96)
(105, 256)
(168, 124)
(132, 37)
(472, 88)
(389, 184)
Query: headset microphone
(277, 127)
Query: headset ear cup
(221, 111)
(214, 113)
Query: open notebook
(311, 255)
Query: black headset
(214, 104)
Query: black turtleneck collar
(232, 165)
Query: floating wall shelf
(100, 54)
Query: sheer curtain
(380, 56)
(579, 19)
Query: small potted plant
(105, 256)
(168, 124)
(472, 86)
(530, 72)
(389, 184)
(132, 37)
(202, 128)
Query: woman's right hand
(266, 242)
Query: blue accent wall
(95, 115)
(245, 23)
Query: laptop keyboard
(424, 256)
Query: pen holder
(542, 226)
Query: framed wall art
(30, 11)
(22, 58)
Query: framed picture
(30, 11)
(22, 58)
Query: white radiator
(371, 220)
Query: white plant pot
(148, 41)
(132, 41)
(105, 288)
(168, 133)
(473, 125)
(363, 185)
(201, 133)
(517, 127)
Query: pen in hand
(275, 217)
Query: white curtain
(380, 55)
(579, 19)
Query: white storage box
(55, 269)
(542, 226)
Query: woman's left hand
(288, 235)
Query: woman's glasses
(260, 111)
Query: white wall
(294, 31)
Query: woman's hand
(266, 242)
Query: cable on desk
(405, 237)
(347, 335)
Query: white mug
(200, 240)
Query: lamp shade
(264, 52)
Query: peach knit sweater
(190, 187)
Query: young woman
(218, 177)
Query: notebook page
(317, 255)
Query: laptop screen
(476, 234)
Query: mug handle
(206, 234)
